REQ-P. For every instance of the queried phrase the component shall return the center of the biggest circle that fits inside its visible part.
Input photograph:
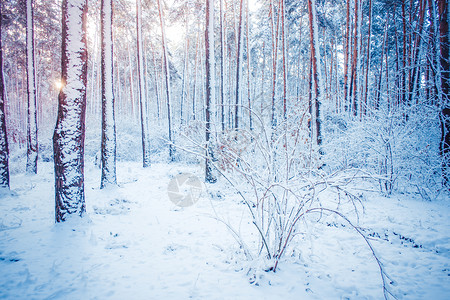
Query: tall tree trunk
(185, 82)
(314, 44)
(32, 128)
(222, 67)
(443, 6)
(346, 55)
(378, 91)
(416, 50)
(141, 88)
(405, 48)
(4, 153)
(238, 64)
(210, 85)
(68, 138)
(285, 62)
(274, 38)
(167, 79)
(131, 76)
(108, 147)
(354, 80)
(249, 100)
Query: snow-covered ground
(135, 244)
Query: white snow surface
(133, 243)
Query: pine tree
(443, 7)
(4, 153)
(167, 79)
(68, 137)
(108, 147)
(316, 75)
(141, 88)
(32, 129)
(210, 84)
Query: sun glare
(58, 84)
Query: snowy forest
(224, 149)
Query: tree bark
(346, 54)
(284, 49)
(108, 146)
(222, 67)
(141, 88)
(210, 85)
(238, 64)
(314, 44)
(32, 128)
(4, 152)
(68, 138)
(167, 79)
(443, 6)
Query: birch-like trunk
(108, 147)
(238, 65)
(222, 67)
(210, 85)
(285, 62)
(32, 129)
(4, 153)
(141, 88)
(167, 79)
(314, 41)
(68, 138)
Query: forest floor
(133, 243)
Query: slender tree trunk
(222, 67)
(141, 88)
(155, 83)
(284, 49)
(210, 85)
(314, 44)
(416, 50)
(354, 86)
(185, 76)
(443, 6)
(378, 91)
(238, 64)
(274, 37)
(69, 133)
(434, 53)
(4, 152)
(32, 128)
(405, 48)
(346, 54)
(167, 80)
(194, 93)
(131, 76)
(249, 100)
(108, 147)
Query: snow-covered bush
(398, 148)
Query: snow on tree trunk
(68, 138)
(141, 88)
(167, 78)
(238, 65)
(317, 78)
(366, 80)
(222, 67)
(4, 153)
(32, 131)
(108, 146)
(285, 53)
(443, 6)
(210, 84)
(347, 56)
